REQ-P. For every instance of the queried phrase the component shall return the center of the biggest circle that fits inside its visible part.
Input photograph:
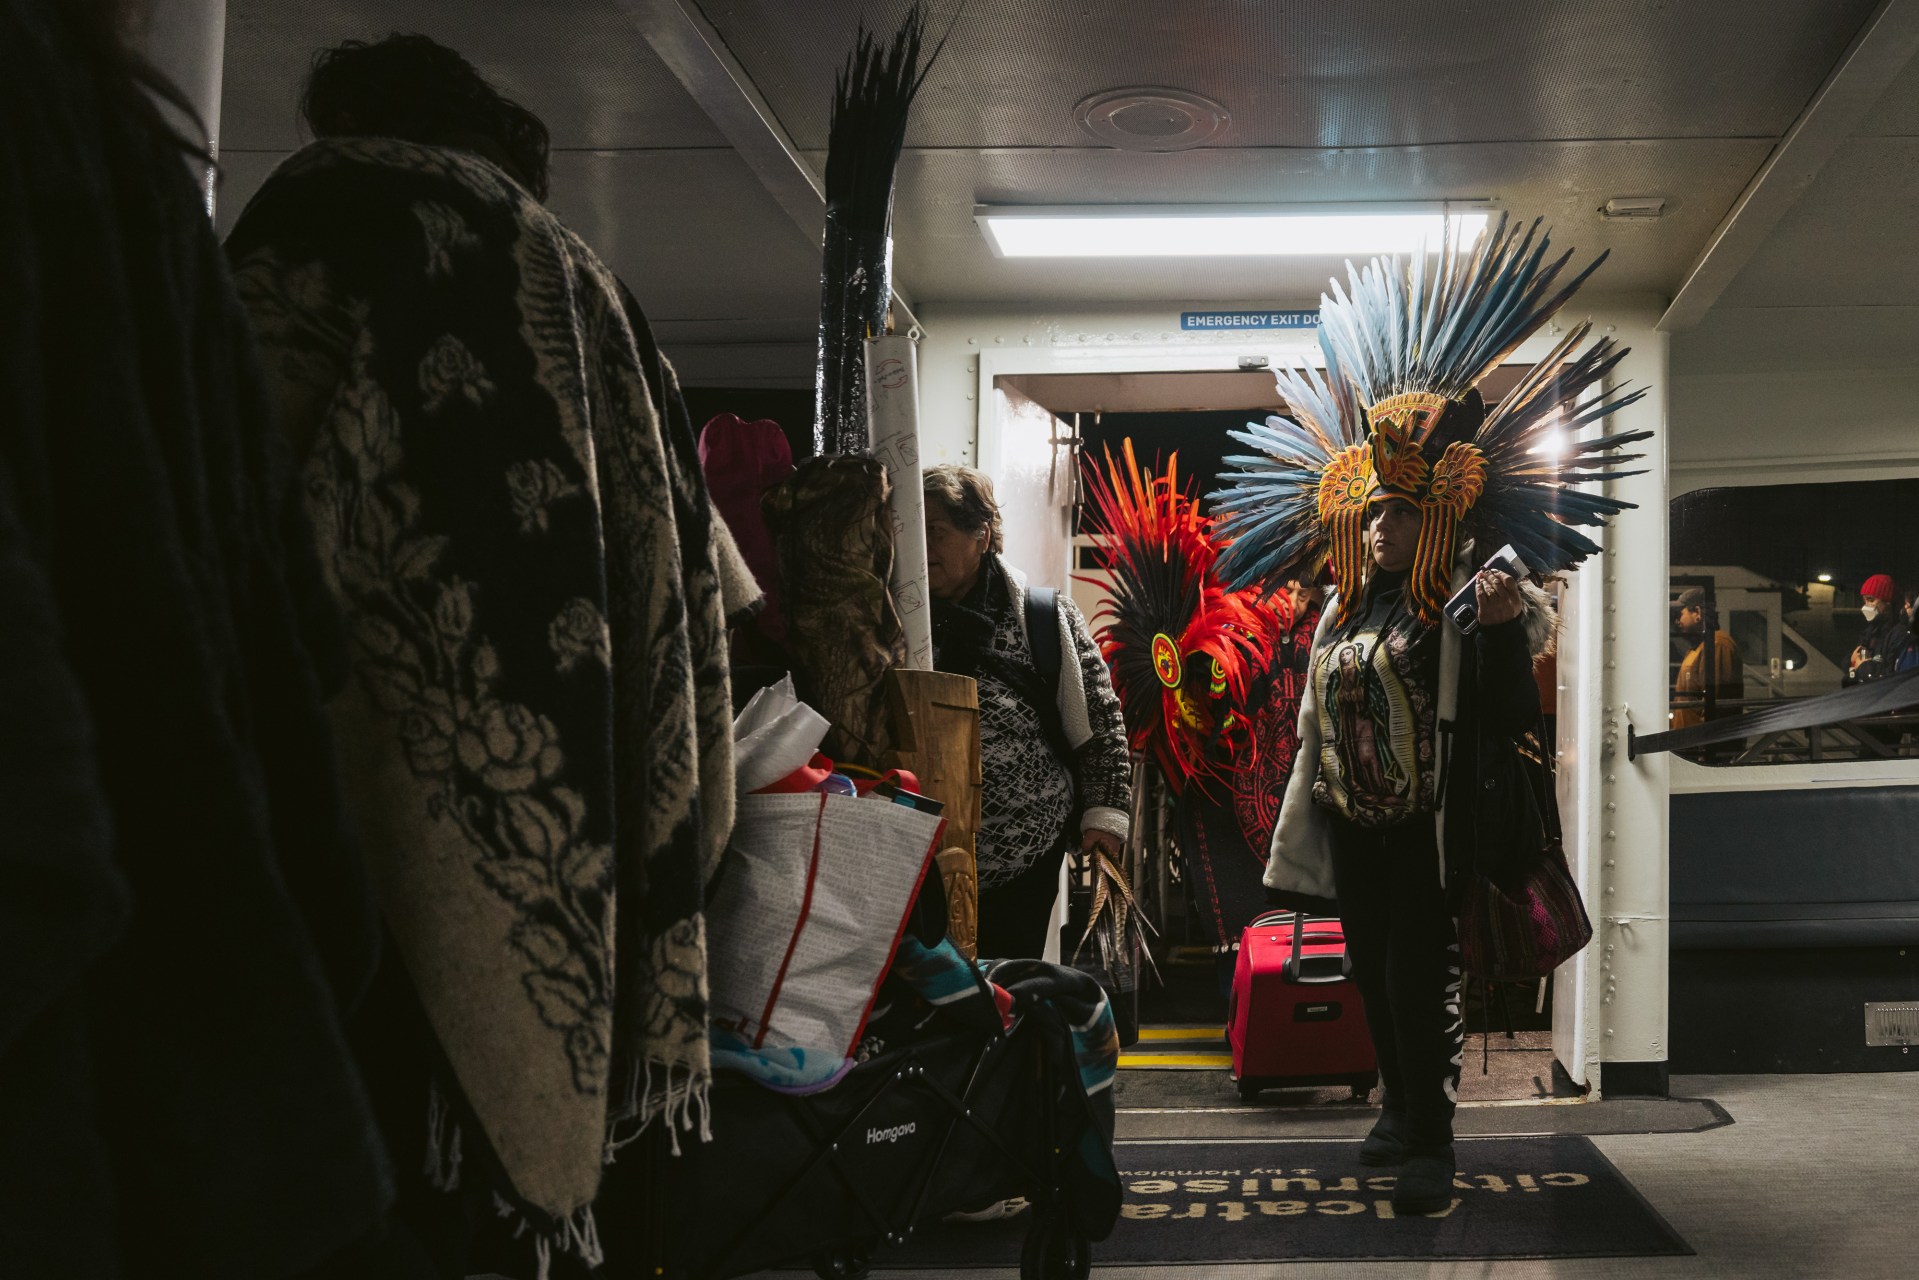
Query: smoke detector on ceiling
(1634, 208)
(1152, 119)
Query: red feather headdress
(1181, 648)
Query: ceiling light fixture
(1633, 208)
(1825, 577)
(1224, 231)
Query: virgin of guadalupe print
(1376, 725)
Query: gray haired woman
(1053, 750)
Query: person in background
(1728, 680)
(1876, 655)
(1909, 652)
(185, 919)
(742, 462)
(510, 514)
(1057, 769)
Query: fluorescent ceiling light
(1221, 231)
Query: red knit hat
(1879, 587)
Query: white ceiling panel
(694, 235)
(1809, 339)
(1897, 114)
(1545, 106)
(1849, 240)
(1320, 74)
(942, 254)
(580, 65)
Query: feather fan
(1182, 649)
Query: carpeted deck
(1303, 1200)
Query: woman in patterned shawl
(509, 510)
(1057, 770)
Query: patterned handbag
(1537, 921)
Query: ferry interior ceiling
(1201, 296)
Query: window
(1765, 588)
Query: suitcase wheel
(1249, 1090)
(1056, 1249)
(1363, 1085)
(845, 1262)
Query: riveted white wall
(1612, 1005)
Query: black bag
(1108, 946)
(1522, 916)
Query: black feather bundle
(872, 100)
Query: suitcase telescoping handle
(1293, 969)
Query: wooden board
(935, 723)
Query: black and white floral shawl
(538, 741)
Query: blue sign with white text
(1249, 319)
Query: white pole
(893, 423)
(186, 40)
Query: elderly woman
(1053, 750)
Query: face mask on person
(1870, 609)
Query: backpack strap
(1042, 632)
(1042, 637)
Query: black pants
(1013, 916)
(1404, 944)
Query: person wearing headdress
(1396, 477)
(1184, 655)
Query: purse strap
(1546, 799)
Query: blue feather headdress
(1269, 512)
(1402, 418)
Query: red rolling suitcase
(1295, 1018)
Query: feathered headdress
(872, 102)
(1410, 348)
(1177, 643)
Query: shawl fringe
(442, 1163)
(578, 1233)
(668, 1091)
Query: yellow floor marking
(1175, 1059)
(1181, 1033)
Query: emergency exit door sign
(1249, 319)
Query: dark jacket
(1487, 701)
(1875, 654)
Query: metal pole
(186, 41)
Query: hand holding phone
(1463, 608)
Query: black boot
(1425, 1182)
(1386, 1145)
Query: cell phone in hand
(1463, 608)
